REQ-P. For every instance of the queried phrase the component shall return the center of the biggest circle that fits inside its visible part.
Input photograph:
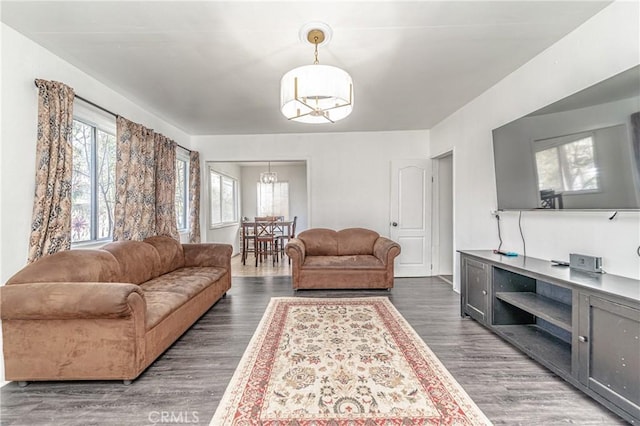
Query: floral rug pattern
(341, 362)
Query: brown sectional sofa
(107, 313)
(347, 259)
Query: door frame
(435, 213)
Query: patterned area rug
(317, 362)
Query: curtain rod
(105, 110)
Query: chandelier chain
(315, 40)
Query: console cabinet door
(475, 289)
(609, 351)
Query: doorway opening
(442, 217)
(245, 199)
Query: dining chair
(248, 239)
(265, 240)
(289, 231)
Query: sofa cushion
(160, 304)
(139, 262)
(319, 242)
(356, 241)
(185, 281)
(360, 261)
(170, 252)
(71, 266)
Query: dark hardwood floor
(185, 385)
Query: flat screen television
(580, 153)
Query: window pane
(273, 199)
(578, 165)
(224, 198)
(181, 193)
(568, 167)
(81, 182)
(216, 209)
(228, 200)
(106, 173)
(548, 166)
(281, 199)
(265, 199)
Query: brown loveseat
(108, 313)
(350, 258)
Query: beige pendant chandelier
(316, 93)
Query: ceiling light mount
(312, 29)
(316, 93)
(315, 36)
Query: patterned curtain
(166, 187)
(135, 208)
(51, 220)
(194, 197)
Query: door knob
(583, 339)
(394, 223)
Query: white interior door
(410, 211)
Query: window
(273, 199)
(182, 189)
(567, 164)
(223, 193)
(93, 176)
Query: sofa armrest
(208, 254)
(386, 250)
(69, 300)
(296, 251)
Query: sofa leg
(22, 383)
(126, 382)
(224, 295)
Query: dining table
(265, 238)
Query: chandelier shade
(316, 93)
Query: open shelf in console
(539, 344)
(553, 311)
(535, 316)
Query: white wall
(604, 46)
(22, 62)
(348, 173)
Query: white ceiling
(214, 67)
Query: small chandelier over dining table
(269, 176)
(316, 93)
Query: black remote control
(559, 263)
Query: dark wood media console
(584, 327)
